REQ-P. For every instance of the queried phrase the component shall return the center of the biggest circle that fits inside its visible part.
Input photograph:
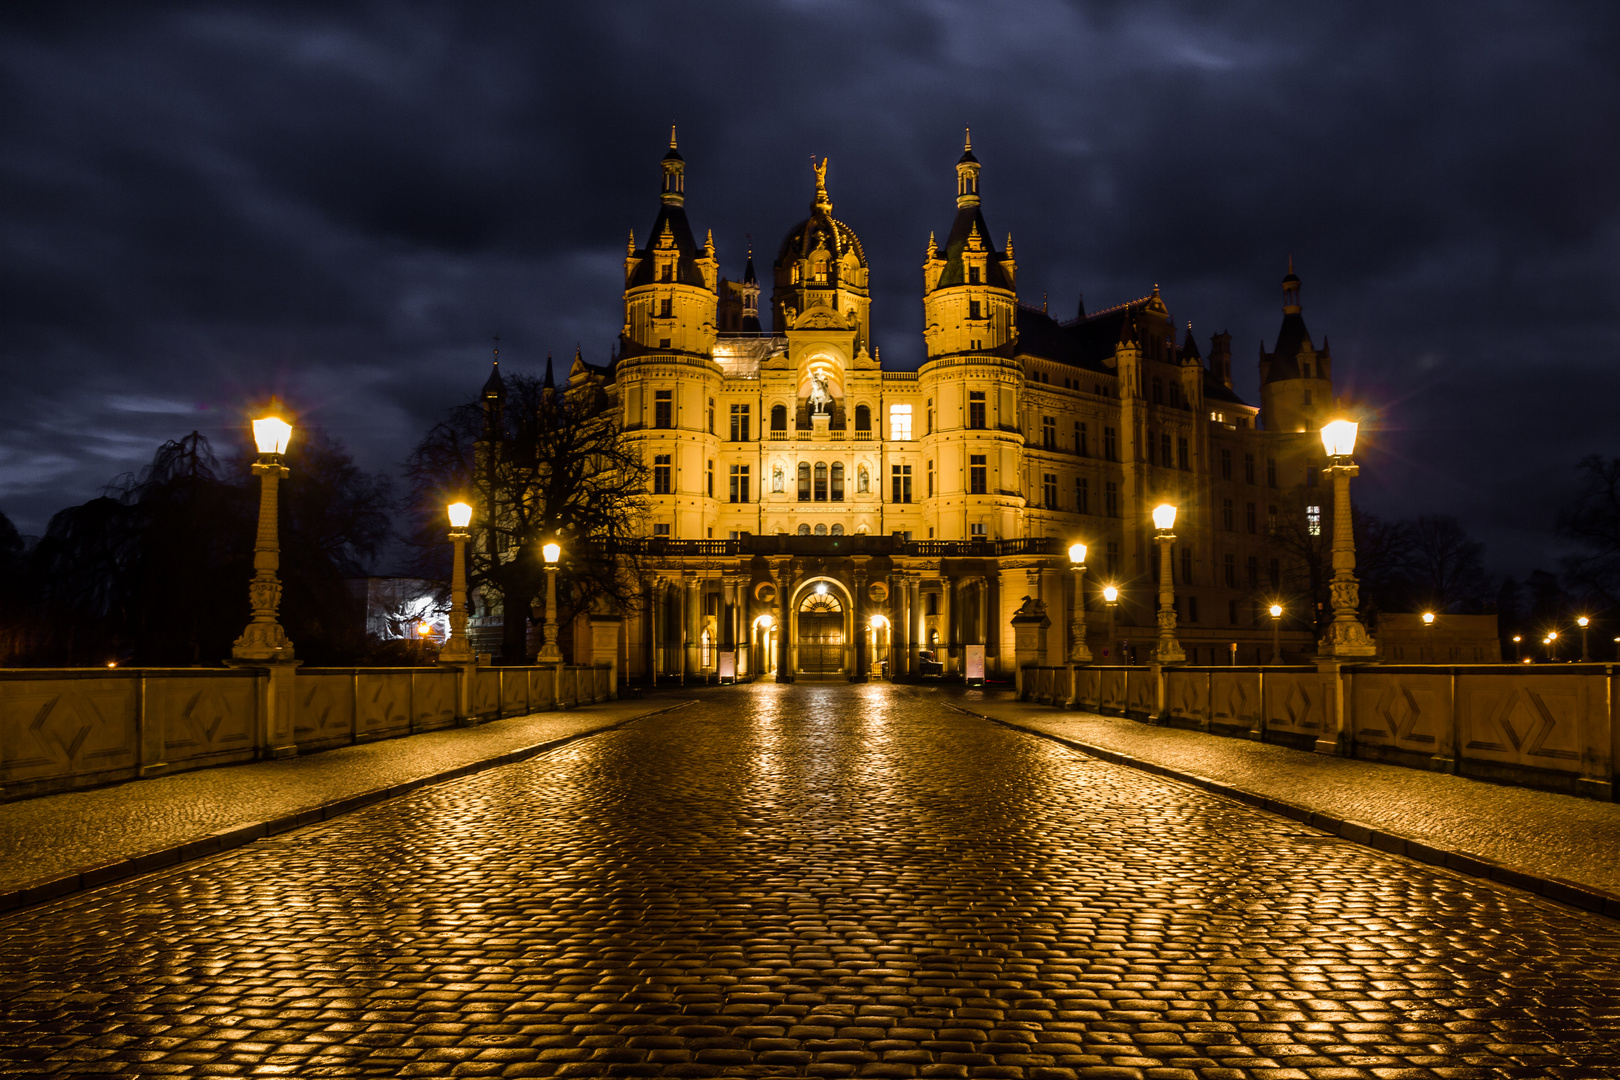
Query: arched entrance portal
(821, 620)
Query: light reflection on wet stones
(810, 880)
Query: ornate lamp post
(1169, 650)
(1346, 637)
(1111, 601)
(1078, 653)
(1276, 633)
(457, 650)
(264, 639)
(549, 653)
(1583, 622)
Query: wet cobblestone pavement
(824, 881)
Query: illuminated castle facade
(813, 514)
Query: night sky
(202, 204)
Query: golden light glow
(1276, 611)
(878, 621)
(1583, 621)
(112, 663)
(1552, 635)
(424, 629)
(272, 434)
(1339, 438)
(1164, 517)
(1077, 553)
(460, 515)
(1110, 593)
(1517, 638)
(1428, 618)
(765, 622)
(552, 553)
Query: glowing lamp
(424, 629)
(1428, 618)
(1583, 622)
(1276, 611)
(878, 622)
(821, 589)
(1517, 639)
(1077, 553)
(1339, 438)
(272, 434)
(460, 515)
(765, 622)
(1552, 635)
(1164, 517)
(551, 552)
(1110, 594)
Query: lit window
(661, 470)
(900, 422)
(1313, 520)
(976, 408)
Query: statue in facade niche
(820, 396)
(776, 479)
(861, 482)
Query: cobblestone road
(825, 881)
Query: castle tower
(970, 297)
(1296, 381)
(671, 286)
(821, 273)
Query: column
(655, 605)
(784, 628)
(862, 659)
(914, 629)
(947, 623)
(691, 624)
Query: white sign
(728, 664)
(975, 663)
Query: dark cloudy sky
(201, 204)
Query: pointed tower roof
(495, 386)
(550, 382)
(748, 269)
(1189, 348)
(670, 228)
(970, 220)
(967, 147)
(1292, 337)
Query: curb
(38, 892)
(1560, 890)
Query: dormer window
(1308, 374)
(973, 309)
(973, 275)
(668, 273)
(819, 270)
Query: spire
(823, 201)
(1189, 348)
(672, 136)
(1290, 284)
(748, 269)
(708, 244)
(495, 386)
(674, 173)
(1127, 331)
(1009, 246)
(631, 249)
(967, 146)
(967, 176)
(550, 382)
(933, 247)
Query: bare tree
(1445, 566)
(1593, 522)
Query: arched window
(819, 267)
(804, 481)
(821, 481)
(804, 530)
(778, 417)
(863, 418)
(838, 530)
(862, 484)
(838, 481)
(821, 530)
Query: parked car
(928, 663)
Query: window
(1313, 520)
(930, 479)
(1111, 499)
(1231, 612)
(1158, 391)
(1080, 440)
(1165, 457)
(1226, 464)
(1110, 444)
(709, 477)
(1271, 472)
(975, 408)
(901, 477)
(821, 481)
(804, 481)
(979, 529)
(661, 529)
(973, 275)
(1113, 559)
(663, 343)
(1248, 517)
(973, 310)
(1311, 474)
(1229, 569)
(900, 422)
(1082, 495)
(661, 474)
(778, 417)
(1271, 521)
(1248, 468)
(932, 601)
(930, 429)
(838, 481)
(1049, 432)
(1183, 461)
(1192, 609)
(739, 423)
(1254, 572)
(1228, 516)
(863, 418)
(711, 416)
(666, 309)
(1275, 572)
(1049, 490)
(739, 483)
(1186, 565)
(663, 408)
(977, 479)
(666, 273)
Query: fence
(69, 728)
(1540, 726)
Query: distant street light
(1428, 641)
(1078, 653)
(1276, 633)
(1516, 640)
(1110, 596)
(1583, 622)
(457, 649)
(1551, 641)
(1346, 637)
(549, 653)
(264, 639)
(1169, 650)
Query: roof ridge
(1117, 307)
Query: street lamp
(264, 639)
(1169, 651)
(549, 653)
(1276, 633)
(1078, 653)
(1583, 622)
(1346, 637)
(1516, 640)
(1551, 641)
(1110, 601)
(457, 650)
(1428, 642)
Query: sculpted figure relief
(820, 396)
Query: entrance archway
(821, 625)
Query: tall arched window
(804, 481)
(838, 481)
(778, 417)
(863, 418)
(821, 481)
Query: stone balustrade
(1548, 726)
(66, 728)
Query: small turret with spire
(967, 173)
(674, 173)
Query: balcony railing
(848, 544)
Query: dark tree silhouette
(1592, 521)
(1445, 566)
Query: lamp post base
(1347, 638)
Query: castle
(815, 515)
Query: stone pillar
(654, 628)
(914, 622)
(947, 623)
(784, 626)
(691, 622)
(858, 606)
